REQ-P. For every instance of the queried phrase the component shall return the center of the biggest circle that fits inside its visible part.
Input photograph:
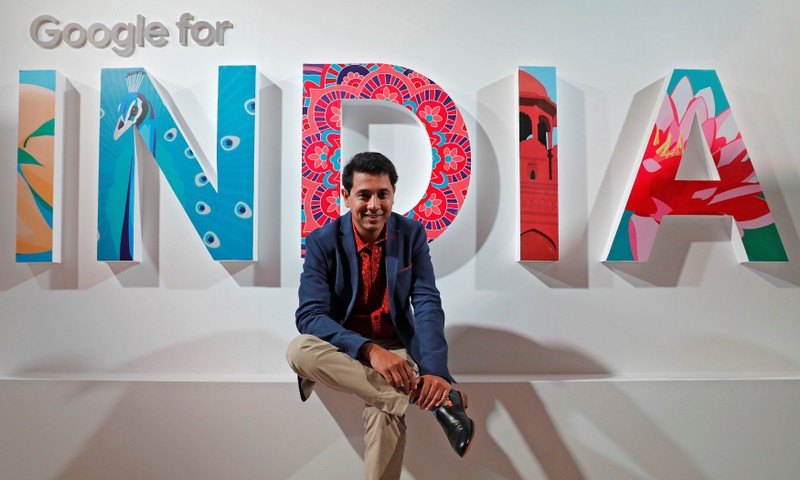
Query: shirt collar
(361, 244)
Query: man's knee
(305, 352)
(302, 352)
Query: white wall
(692, 313)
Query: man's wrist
(364, 351)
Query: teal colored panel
(701, 79)
(42, 257)
(42, 78)
(621, 246)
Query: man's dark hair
(373, 163)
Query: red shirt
(371, 317)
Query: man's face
(370, 202)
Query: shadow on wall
(514, 430)
(486, 351)
(190, 430)
(266, 272)
(572, 268)
(668, 266)
(781, 185)
(243, 430)
(223, 353)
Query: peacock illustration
(134, 110)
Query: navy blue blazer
(329, 284)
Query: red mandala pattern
(324, 88)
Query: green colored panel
(764, 245)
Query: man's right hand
(394, 368)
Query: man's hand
(433, 391)
(394, 368)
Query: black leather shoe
(458, 427)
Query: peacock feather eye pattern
(201, 179)
(202, 208)
(250, 106)
(229, 142)
(211, 240)
(171, 134)
(242, 210)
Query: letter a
(696, 95)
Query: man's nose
(373, 203)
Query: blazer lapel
(390, 254)
(349, 246)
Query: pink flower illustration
(452, 158)
(319, 157)
(656, 193)
(430, 115)
(386, 94)
(333, 204)
(431, 205)
(336, 116)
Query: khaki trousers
(384, 406)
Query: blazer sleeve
(428, 314)
(316, 311)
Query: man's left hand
(433, 391)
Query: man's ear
(346, 196)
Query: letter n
(139, 121)
(39, 166)
(324, 88)
(696, 96)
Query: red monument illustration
(538, 165)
